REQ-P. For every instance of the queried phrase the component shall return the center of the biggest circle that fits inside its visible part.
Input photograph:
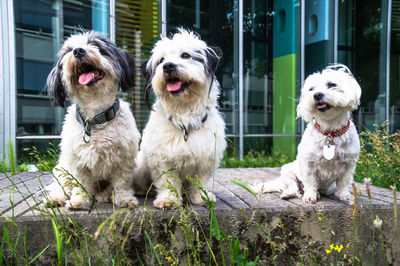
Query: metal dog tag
(328, 151)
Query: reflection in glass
(268, 94)
(40, 29)
(361, 46)
(215, 22)
(257, 66)
(394, 103)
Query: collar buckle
(99, 126)
(99, 121)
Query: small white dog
(185, 134)
(329, 149)
(99, 139)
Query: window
(40, 29)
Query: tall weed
(45, 162)
(379, 158)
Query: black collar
(98, 120)
(185, 130)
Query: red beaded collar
(335, 133)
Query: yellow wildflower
(328, 251)
(339, 248)
(331, 246)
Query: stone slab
(294, 226)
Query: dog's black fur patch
(55, 87)
(214, 56)
(148, 75)
(121, 60)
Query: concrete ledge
(276, 230)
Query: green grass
(257, 159)
(4, 167)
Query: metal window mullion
(8, 80)
(302, 52)
(12, 55)
(387, 81)
(335, 31)
(240, 78)
(163, 18)
(112, 20)
(263, 135)
(32, 137)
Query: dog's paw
(127, 202)
(78, 203)
(195, 197)
(125, 198)
(258, 188)
(343, 195)
(103, 197)
(310, 196)
(51, 201)
(165, 203)
(288, 195)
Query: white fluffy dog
(99, 138)
(329, 149)
(185, 134)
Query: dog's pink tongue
(86, 78)
(174, 86)
(321, 106)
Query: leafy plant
(46, 161)
(257, 159)
(4, 167)
(379, 158)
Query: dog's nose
(318, 96)
(169, 67)
(79, 52)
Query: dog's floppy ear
(214, 56)
(303, 111)
(127, 78)
(147, 74)
(356, 94)
(353, 92)
(55, 88)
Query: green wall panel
(284, 105)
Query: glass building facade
(269, 48)
(40, 29)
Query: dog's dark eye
(185, 56)
(161, 60)
(331, 85)
(311, 89)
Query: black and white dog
(99, 136)
(185, 134)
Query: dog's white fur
(163, 147)
(109, 156)
(311, 174)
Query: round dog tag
(328, 151)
